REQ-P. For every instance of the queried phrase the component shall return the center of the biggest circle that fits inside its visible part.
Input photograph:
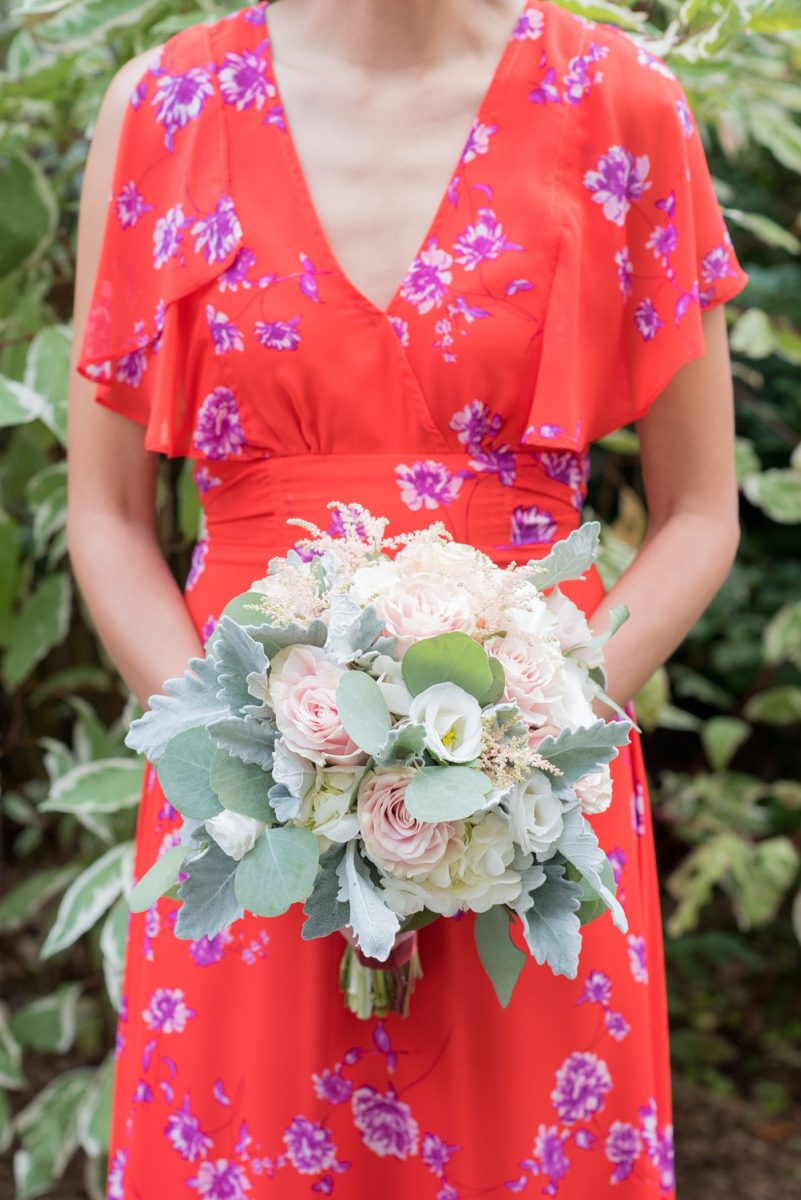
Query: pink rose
(395, 839)
(534, 671)
(423, 605)
(302, 686)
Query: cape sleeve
(170, 228)
(644, 249)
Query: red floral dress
(556, 292)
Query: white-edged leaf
(89, 896)
(113, 942)
(104, 786)
(48, 1023)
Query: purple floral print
(278, 335)
(130, 205)
(581, 1085)
(185, 1135)
(217, 234)
(637, 957)
(387, 1124)
(622, 1147)
(481, 240)
(197, 563)
(167, 1011)
(219, 432)
(332, 1085)
(532, 525)
(244, 82)
(220, 1180)
(309, 1146)
(179, 99)
(618, 179)
(428, 277)
(474, 422)
(224, 333)
(427, 484)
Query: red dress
(556, 292)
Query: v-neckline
(304, 191)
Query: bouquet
(391, 731)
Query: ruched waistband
(512, 505)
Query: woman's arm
(687, 455)
(135, 603)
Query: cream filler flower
(452, 720)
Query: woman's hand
(687, 455)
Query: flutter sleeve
(644, 250)
(170, 228)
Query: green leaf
(446, 793)
(325, 913)
(209, 902)
(782, 635)
(779, 705)
(40, 625)
(48, 1023)
(761, 888)
(89, 896)
(241, 787)
(496, 688)
(500, 957)
(183, 773)
(47, 1128)
(24, 902)
(373, 922)
(113, 942)
(11, 1075)
(722, 738)
(105, 786)
(550, 921)
(93, 1125)
(278, 871)
(778, 493)
(447, 658)
(579, 752)
(362, 710)
(159, 876)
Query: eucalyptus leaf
(362, 710)
(446, 793)
(183, 773)
(278, 871)
(452, 657)
(241, 787)
(159, 876)
(500, 957)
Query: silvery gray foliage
(382, 645)
(404, 745)
(373, 922)
(579, 752)
(352, 630)
(275, 637)
(548, 908)
(209, 902)
(324, 911)
(569, 558)
(578, 844)
(247, 738)
(285, 804)
(188, 701)
(237, 655)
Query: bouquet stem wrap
(374, 988)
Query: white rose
(457, 560)
(486, 874)
(326, 807)
(595, 791)
(572, 627)
(532, 620)
(535, 813)
(452, 719)
(235, 833)
(376, 577)
(423, 605)
(389, 676)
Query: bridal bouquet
(389, 739)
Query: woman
(256, 303)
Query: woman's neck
(390, 35)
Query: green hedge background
(722, 720)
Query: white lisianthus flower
(423, 605)
(452, 720)
(535, 813)
(235, 833)
(486, 874)
(376, 577)
(389, 675)
(327, 807)
(572, 628)
(595, 791)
